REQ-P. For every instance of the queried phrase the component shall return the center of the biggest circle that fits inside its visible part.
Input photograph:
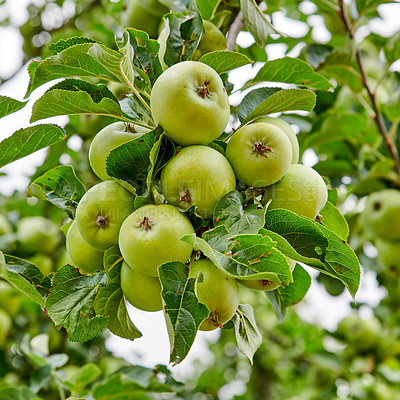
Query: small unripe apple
(280, 123)
(264, 284)
(83, 256)
(260, 154)
(5, 325)
(142, 291)
(301, 190)
(197, 175)
(217, 290)
(150, 237)
(38, 234)
(212, 40)
(108, 139)
(144, 15)
(381, 215)
(389, 254)
(190, 102)
(5, 226)
(100, 213)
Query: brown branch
(234, 30)
(372, 95)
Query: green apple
(142, 291)
(144, 15)
(217, 290)
(381, 215)
(100, 213)
(389, 254)
(43, 262)
(301, 190)
(259, 153)
(212, 40)
(280, 123)
(108, 139)
(150, 237)
(38, 234)
(190, 102)
(264, 284)
(197, 175)
(5, 226)
(83, 256)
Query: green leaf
(110, 300)
(207, 8)
(182, 310)
(290, 70)
(230, 212)
(131, 161)
(243, 256)
(73, 96)
(70, 303)
(392, 48)
(313, 240)
(9, 270)
(264, 101)
(19, 392)
(281, 298)
(63, 44)
(223, 61)
(28, 140)
(334, 220)
(9, 105)
(248, 336)
(256, 22)
(84, 376)
(40, 378)
(185, 31)
(91, 60)
(145, 54)
(61, 187)
(345, 75)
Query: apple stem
(101, 221)
(145, 223)
(130, 128)
(204, 91)
(266, 283)
(261, 149)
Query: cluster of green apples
(34, 238)
(190, 102)
(381, 218)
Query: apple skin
(381, 216)
(83, 256)
(280, 123)
(144, 15)
(190, 102)
(43, 262)
(150, 237)
(199, 174)
(263, 284)
(261, 167)
(142, 291)
(107, 139)
(217, 290)
(301, 190)
(100, 213)
(389, 254)
(212, 40)
(5, 325)
(5, 226)
(38, 234)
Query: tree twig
(376, 116)
(234, 30)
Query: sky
(153, 347)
